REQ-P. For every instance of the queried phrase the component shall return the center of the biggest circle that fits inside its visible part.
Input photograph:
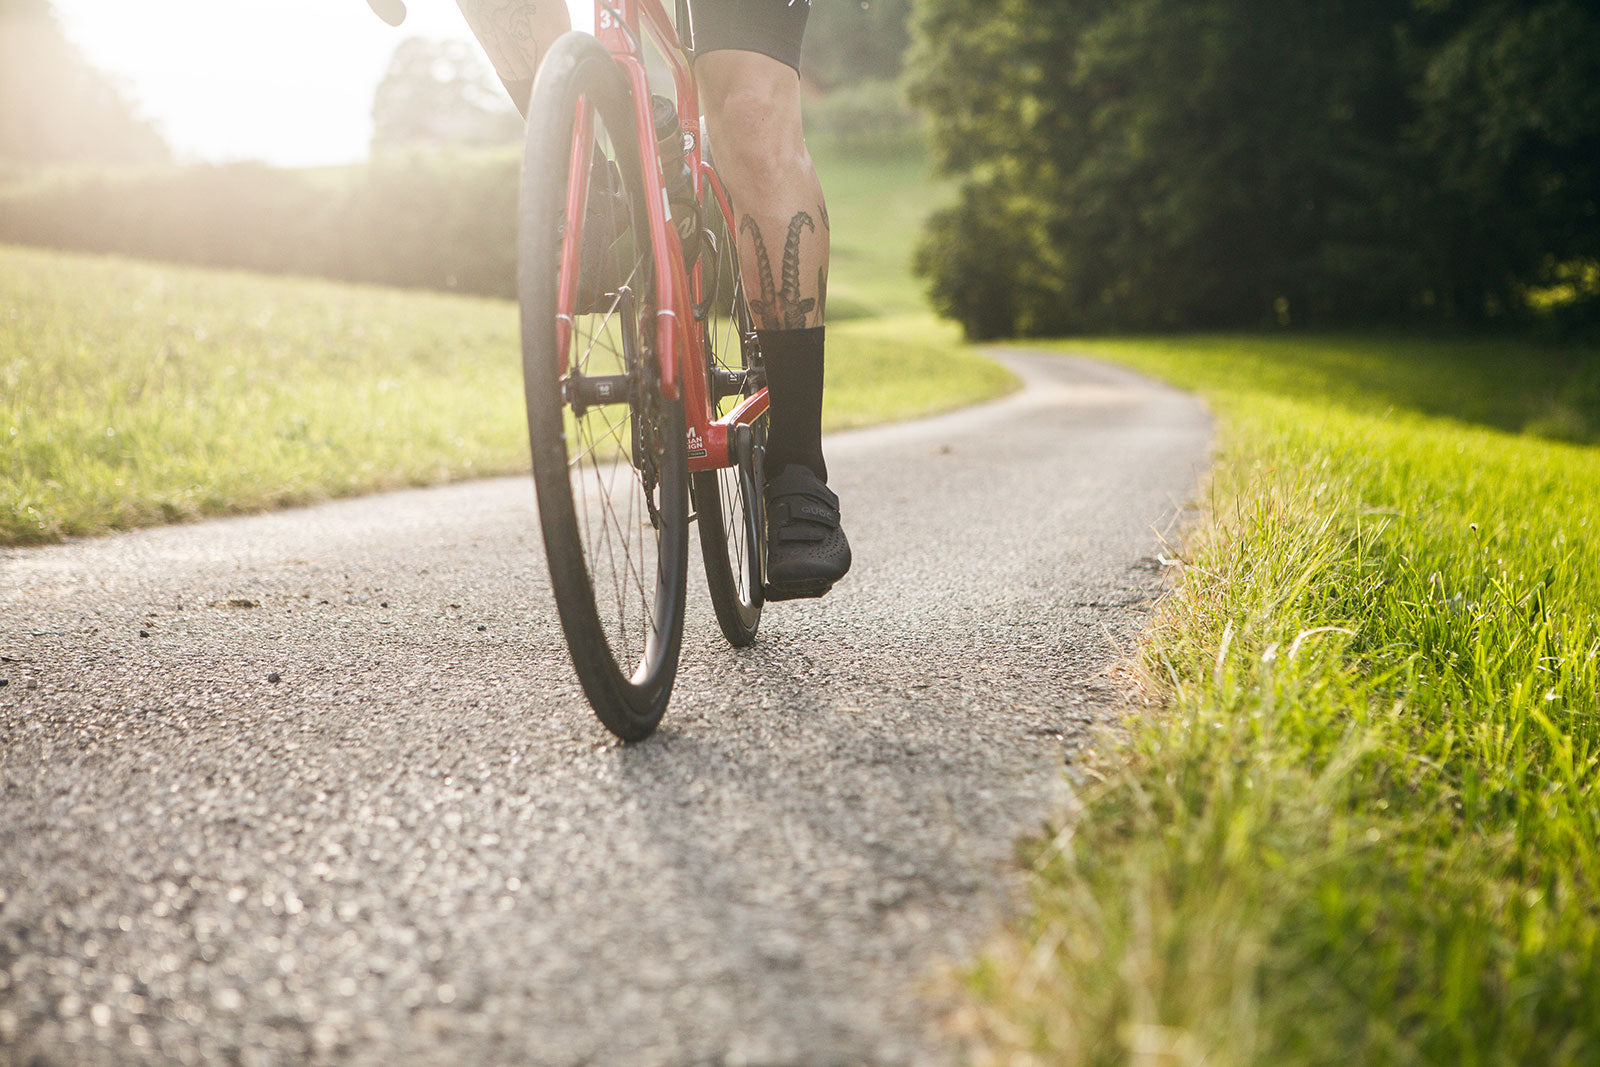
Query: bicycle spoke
(611, 432)
(621, 545)
(622, 539)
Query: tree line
(55, 107)
(1121, 164)
(435, 208)
(1177, 164)
(425, 220)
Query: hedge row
(435, 221)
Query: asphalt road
(319, 786)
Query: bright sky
(289, 82)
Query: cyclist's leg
(748, 70)
(516, 34)
(752, 105)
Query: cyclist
(747, 64)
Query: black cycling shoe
(806, 550)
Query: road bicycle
(645, 395)
(642, 375)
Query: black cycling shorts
(771, 27)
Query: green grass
(902, 367)
(876, 208)
(1359, 819)
(133, 394)
(136, 393)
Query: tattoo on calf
(822, 271)
(781, 307)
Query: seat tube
(685, 21)
(614, 33)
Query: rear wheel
(608, 448)
(728, 501)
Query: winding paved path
(319, 786)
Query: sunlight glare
(289, 82)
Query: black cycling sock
(793, 359)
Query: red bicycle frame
(678, 329)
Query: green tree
(852, 41)
(854, 55)
(1510, 121)
(54, 107)
(1187, 163)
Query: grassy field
(136, 393)
(1359, 819)
(132, 393)
(876, 207)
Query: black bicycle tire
(738, 616)
(576, 68)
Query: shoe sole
(796, 590)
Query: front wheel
(608, 448)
